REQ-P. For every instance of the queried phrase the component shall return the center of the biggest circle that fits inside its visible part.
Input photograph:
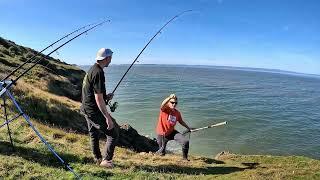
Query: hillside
(51, 75)
(50, 91)
(50, 95)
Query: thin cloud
(285, 28)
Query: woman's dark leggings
(178, 137)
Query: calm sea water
(267, 113)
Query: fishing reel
(113, 106)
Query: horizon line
(225, 66)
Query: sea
(268, 112)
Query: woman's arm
(185, 125)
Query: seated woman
(168, 118)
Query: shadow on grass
(189, 170)
(211, 161)
(51, 112)
(68, 89)
(47, 158)
(250, 165)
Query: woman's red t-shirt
(167, 121)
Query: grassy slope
(50, 75)
(47, 93)
(40, 94)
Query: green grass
(32, 160)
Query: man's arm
(103, 108)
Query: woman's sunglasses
(173, 102)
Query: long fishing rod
(114, 106)
(27, 70)
(30, 59)
(206, 127)
(7, 84)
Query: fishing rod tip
(106, 19)
(187, 11)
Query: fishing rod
(115, 104)
(206, 127)
(30, 59)
(7, 86)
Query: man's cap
(103, 53)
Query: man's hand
(110, 124)
(109, 96)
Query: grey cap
(103, 53)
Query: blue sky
(273, 34)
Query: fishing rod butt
(219, 124)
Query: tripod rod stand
(6, 120)
(5, 92)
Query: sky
(272, 34)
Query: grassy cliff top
(31, 159)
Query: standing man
(94, 108)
